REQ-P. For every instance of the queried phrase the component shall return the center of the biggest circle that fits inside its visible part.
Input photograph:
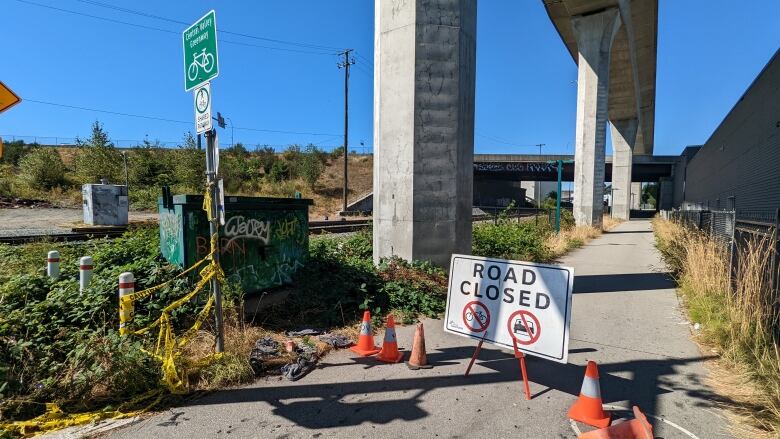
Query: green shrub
(151, 165)
(280, 171)
(266, 157)
(511, 240)
(42, 168)
(190, 168)
(14, 151)
(97, 158)
(311, 166)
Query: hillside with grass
(55, 174)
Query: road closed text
(505, 283)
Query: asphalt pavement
(625, 316)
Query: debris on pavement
(305, 363)
(304, 332)
(15, 203)
(336, 340)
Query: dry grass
(240, 338)
(738, 320)
(577, 236)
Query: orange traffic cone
(418, 359)
(637, 428)
(365, 345)
(588, 408)
(389, 352)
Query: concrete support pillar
(636, 195)
(594, 34)
(424, 82)
(623, 140)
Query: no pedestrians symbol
(476, 316)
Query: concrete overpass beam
(623, 141)
(594, 34)
(424, 82)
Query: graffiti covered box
(263, 242)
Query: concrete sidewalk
(625, 316)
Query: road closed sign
(510, 303)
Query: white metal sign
(507, 302)
(203, 108)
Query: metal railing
(736, 230)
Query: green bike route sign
(200, 51)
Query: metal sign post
(201, 64)
(211, 178)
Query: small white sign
(221, 201)
(203, 108)
(507, 302)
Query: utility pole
(539, 186)
(348, 61)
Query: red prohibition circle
(478, 325)
(525, 316)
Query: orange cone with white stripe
(365, 345)
(637, 428)
(389, 352)
(588, 409)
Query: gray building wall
(742, 157)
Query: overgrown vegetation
(56, 174)
(59, 345)
(532, 239)
(739, 318)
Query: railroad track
(87, 233)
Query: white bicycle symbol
(479, 315)
(200, 60)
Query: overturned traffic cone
(389, 352)
(588, 408)
(365, 345)
(418, 359)
(637, 428)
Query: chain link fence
(736, 230)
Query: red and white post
(53, 264)
(85, 272)
(126, 307)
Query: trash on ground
(336, 340)
(303, 332)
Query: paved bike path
(625, 316)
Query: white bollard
(53, 264)
(126, 310)
(85, 272)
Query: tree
(189, 168)
(266, 157)
(553, 195)
(311, 166)
(97, 158)
(150, 165)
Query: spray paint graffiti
(240, 227)
(288, 228)
(169, 235)
(284, 270)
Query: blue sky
(708, 53)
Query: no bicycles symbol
(524, 327)
(476, 316)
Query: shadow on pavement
(617, 232)
(610, 283)
(381, 401)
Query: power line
(506, 142)
(111, 20)
(163, 119)
(148, 15)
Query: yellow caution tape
(167, 350)
(55, 419)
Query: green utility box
(263, 243)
